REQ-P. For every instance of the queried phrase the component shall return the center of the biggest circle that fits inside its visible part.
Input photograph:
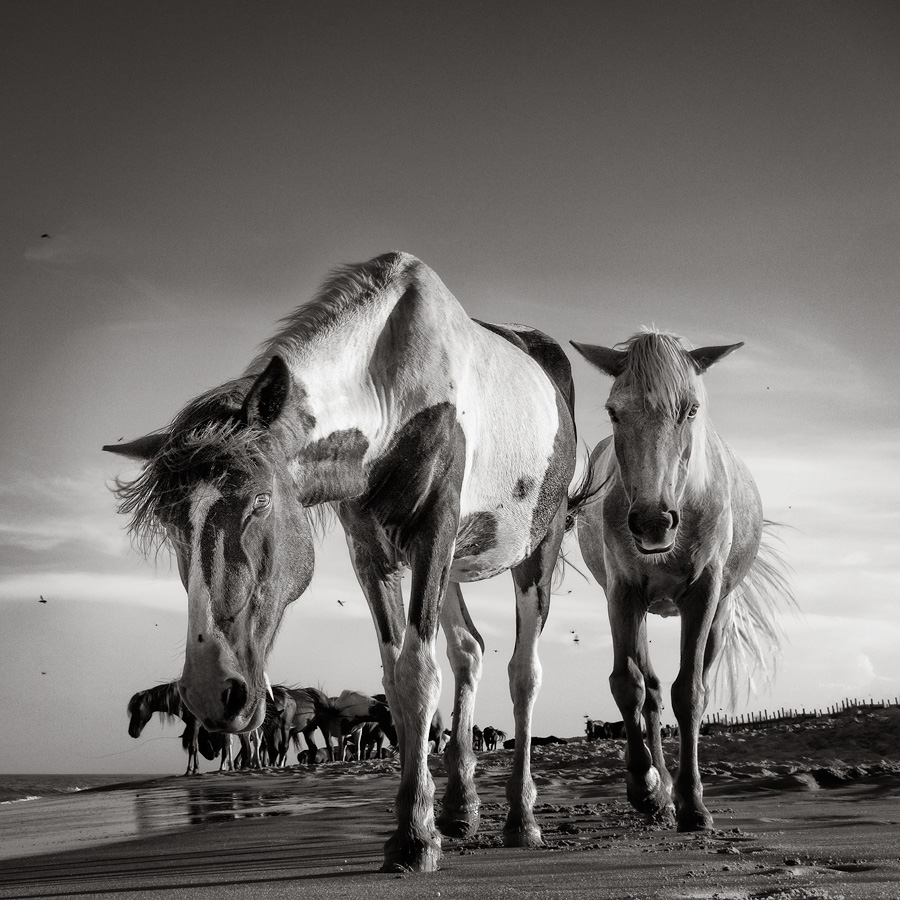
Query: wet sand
(792, 823)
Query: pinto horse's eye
(612, 415)
(261, 501)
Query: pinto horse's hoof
(411, 855)
(651, 796)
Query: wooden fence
(769, 718)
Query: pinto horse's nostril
(633, 524)
(673, 515)
(234, 697)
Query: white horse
(675, 529)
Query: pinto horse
(674, 529)
(443, 444)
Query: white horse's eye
(261, 501)
(693, 410)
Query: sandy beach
(802, 813)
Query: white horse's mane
(660, 367)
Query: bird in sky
(42, 600)
(341, 602)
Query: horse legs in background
(460, 808)
(636, 690)
(532, 579)
(227, 760)
(193, 743)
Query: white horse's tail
(752, 636)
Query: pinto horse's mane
(206, 441)
(659, 367)
(346, 288)
(209, 439)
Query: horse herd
(447, 445)
(352, 726)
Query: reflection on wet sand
(124, 811)
(187, 802)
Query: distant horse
(374, 743)
(165, 699)
(675, 530)
(442, 443)
(492, 736)
(477, 738)
(594, 729)
(353, 709)
(281, 710)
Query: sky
(179, 176)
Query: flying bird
(42, 600)
(341, 602)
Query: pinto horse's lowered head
(657, 409)
(215, 486)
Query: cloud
(40, 514)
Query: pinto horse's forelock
(207, 442)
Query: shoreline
(821, 827)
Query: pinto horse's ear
(704, 357)
(142, 448)
(612, 362)
(268, 395)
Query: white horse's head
(216, 486)
(657, 406)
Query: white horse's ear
(612, 362)
(142, 448)
(268, 395)
(704, 357)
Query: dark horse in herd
(447, 446)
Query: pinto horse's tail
(752, 636)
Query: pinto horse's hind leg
(459, 811)
(532, 579)
(635, 689)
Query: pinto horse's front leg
(460, 807)
(532, 580)
(690, 693)
(647, 781)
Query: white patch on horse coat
(199, 608)
(510, 434)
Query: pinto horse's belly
(489, 542)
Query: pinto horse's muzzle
(224, 704)
(653, 530)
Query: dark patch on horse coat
(226, 516)
(414, 495)
(406, 481)
(331, 468)
(524, 486)
(477, 534)
(558, 474)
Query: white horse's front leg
(460, 808)
(690, 693)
